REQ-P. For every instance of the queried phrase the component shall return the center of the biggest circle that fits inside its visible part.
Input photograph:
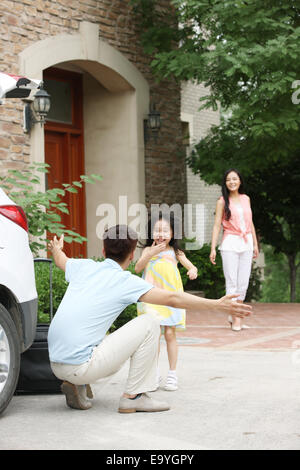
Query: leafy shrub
(254, 291)
(42, 208)
(276, 285)
(210, 278)
(59, 288)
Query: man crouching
(80, 350)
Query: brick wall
(23, 22)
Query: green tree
(275, 200)
(274, 193)
(275, 287)
(245, 53)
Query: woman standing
(239, 243)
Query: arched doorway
(115, 104)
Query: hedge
(59, 286)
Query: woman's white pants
(237, 270)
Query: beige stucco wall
(111, 151)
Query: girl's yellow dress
(162, 272)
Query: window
(61, 101)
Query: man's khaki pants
(138, 340)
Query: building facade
(196, 124)
(88, 54)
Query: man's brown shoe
(89, 392)
(142, 403)
(76, 396)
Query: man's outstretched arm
(56, 248)
(225, 304)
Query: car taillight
(16, 214)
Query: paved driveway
(237, 391)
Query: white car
(18, 296)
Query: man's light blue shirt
(97, 293)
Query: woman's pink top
(233, 226)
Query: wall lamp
(37, 110)
(152, 124)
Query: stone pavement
(237, 391)
(272, 327)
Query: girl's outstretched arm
(192, 271)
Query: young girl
(159, 263)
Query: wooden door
(64, 148)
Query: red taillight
(16, 214)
